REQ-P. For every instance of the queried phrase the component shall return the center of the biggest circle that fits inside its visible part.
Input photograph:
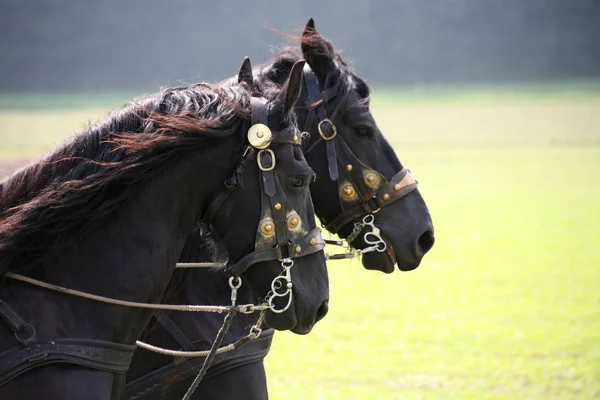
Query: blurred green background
(495, 106)
(507, 303)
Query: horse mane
(269, 77)
(50, 204)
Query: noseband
(363, 191)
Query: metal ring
(26, 334)
(233, 279)
(332, 127)
(259, 161)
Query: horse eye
(298, 182)
(362, 131)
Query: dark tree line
(138, 44)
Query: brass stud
(313, 241)
(396, 187)
(294, 222)
(277, 206)
(349, 192)
(349, 167)
(267, 227)
(371, 178)
(259, 136)
(386, 197)
(298, 249)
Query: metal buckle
(26, 335)
(259, 160)
(333, 128)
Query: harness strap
(163, 318)
(314, 98)
(180, 372)
(310, 243)
(24, 332)
(230, 185)
(97, 354)
(399, 186)
(210, 357)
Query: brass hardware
(298, 249)
(397, 187)
(386, 197)
(267, 227)
(259, 136)
(348, 192)
(293, 221)
(334, 129)
(259, 160)
(277, 206)
(349, 167)
(371, 179)
(313, 241)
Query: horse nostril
(322, 311)
(426, 241)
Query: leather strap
(97, 354)
(235, 181)
(179, 374)
(24, 332)
(406, 184)
(259, 110)
(276, 253)
(314, 100)
(163, 318)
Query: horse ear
(245, 74)
(316, 50)
(290, 93)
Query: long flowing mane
(50, 203)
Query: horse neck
(131, 256)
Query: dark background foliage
(81, 45)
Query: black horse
(108, 213)
(332, 92)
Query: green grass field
(507, 303)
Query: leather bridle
(280, 235)
(363, 191)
